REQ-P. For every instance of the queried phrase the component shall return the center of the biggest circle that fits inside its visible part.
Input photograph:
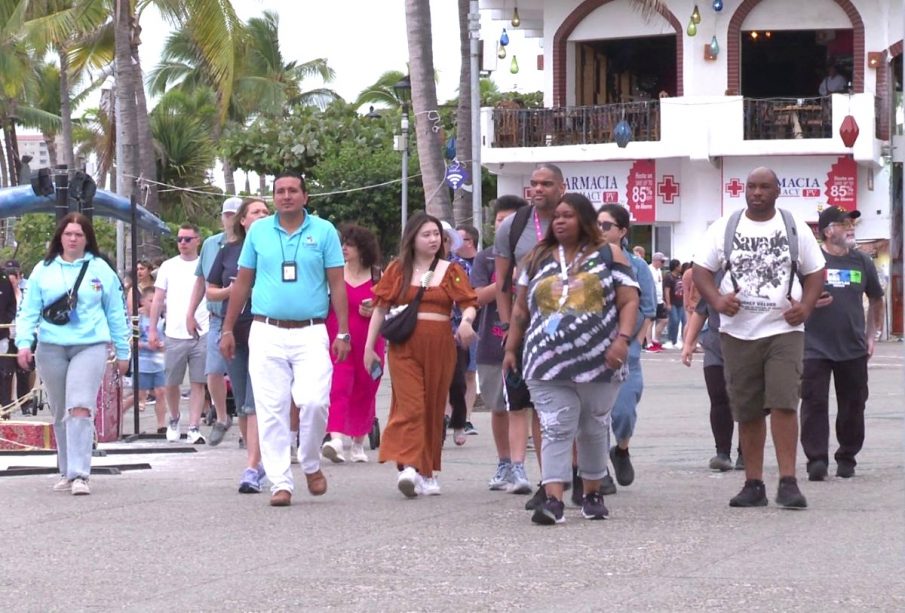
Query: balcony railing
(784, 118)
(580, 125)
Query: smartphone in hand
(376, 371)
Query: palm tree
(424, 103)
(462, 199)
(381, 91)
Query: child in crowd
(151, 361)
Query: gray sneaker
(502, 478)
(218, 431)
(720, 462)
(519, 483)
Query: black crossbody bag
(59, 311)
(401, 320)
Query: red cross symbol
(735, 187)
(668, 189)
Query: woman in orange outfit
(422, 366)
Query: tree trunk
(262, 184)
(146, 153)
(12, 151)
(126, 120)
(65, 111)
(229, 179)
(4, 175)
(462, 198)
(424, 104)
(51, 141)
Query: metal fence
(785, 118)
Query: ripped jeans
(570, 412)
(72, 376)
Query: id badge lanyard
(290, 267)
(554, 319)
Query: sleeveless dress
(421, 369)
(353, 393)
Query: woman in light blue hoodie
(71, 357)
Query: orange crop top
(453, 288)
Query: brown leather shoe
(317, 483)
(281, 498)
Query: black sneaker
(470, 429)
(789, 496)
(549, 513)
(607, 486)
(817, 470)
(740, 461)
(846, 470)
(754, 494)
(720, 462)
(577, 487)
(592, 507)
(537, 500)
(622, 465)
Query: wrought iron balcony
(785, 118)
(579, 125)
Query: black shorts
(661, 311)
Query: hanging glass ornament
(714, 47)
(513, 65)
(696, 15)
(501, 52)
(622, 133)
(692, 29)
(849, 131)
(718, 5)
(504, 39)
(516, 20)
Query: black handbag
(400, 321)
(59, 311)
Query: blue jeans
(72, 376)
(625, 411)
(240, 380)
(676, 317)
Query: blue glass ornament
(718, 5)
(622, 133)
(504, 39)
(714, 47)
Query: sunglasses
(606, 226)
(185, 239)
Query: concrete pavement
(179, 537)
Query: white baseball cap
(455, 241)
(231, 205)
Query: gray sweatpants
(72, 376)
(570, 412)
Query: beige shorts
(490, 379)
(762, 374)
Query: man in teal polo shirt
(295, 263)
(215, 365)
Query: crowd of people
(551, 322)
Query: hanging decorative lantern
(516, 20)
(696, 15)
(717, 5)
(513, 65)
(849, 131)
(501, 52)
(714, 46)
(622, 133)
(504, 38)
(692, 29)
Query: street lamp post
(403, 89)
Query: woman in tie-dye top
(574, 315)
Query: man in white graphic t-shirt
(762, 308)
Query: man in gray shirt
(547, 188)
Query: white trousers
(290, 365)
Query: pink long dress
(353, 395)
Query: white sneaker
(173, 429)
(194, 436)
(333, 450)
(358, 453)
(294, 454)
(679, 344)
(668, 345)
(80, 487)
(409, 482)
(430, 486)
(63, 485)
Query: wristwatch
(345, 337)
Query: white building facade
(747, 90)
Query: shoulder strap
(422, 287)
(608, 256)
(519, 221)
(81, 276)
(729, 236)
(792, 235)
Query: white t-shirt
(657, 274)
(761, 265)
(177, 278)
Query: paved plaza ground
(177, 537)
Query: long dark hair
(621, 216)
(407, 247)
(588, 231)
(241, 213)
(56, 243)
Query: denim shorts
(216, 363)
(151, 380)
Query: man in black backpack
(762, 327)
(516, 236)
(836, 343)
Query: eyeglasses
(185, 239)
(606, 226)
